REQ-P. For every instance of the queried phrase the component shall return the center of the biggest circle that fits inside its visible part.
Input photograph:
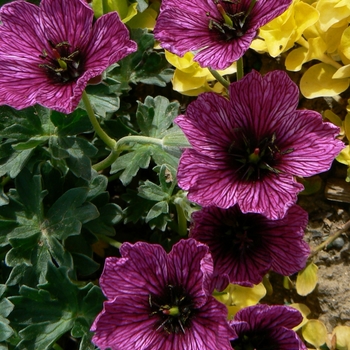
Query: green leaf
(131, 162)
(102, 101)
(110, 215)
(68, 213)
(29, 190)
(75, 123)
(144, 65)
(43, 315)
(13, 164)
(153, 192)
(138, 207)
(156, 115)
(158, 209)
(76, 152)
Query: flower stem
(330, 239)
(219, 78)
(240, 71)
(181, 221)
(112, 157)
(99, 131)
(109, 240)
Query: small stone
(340, 211)
(338, 243)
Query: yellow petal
(318, 81)
(307, 279)
(236, 297)
(344, 46)
(305, 16)
(343, 337)
(332, 117)
(315, 333)
(296, 59)
(331, 12)
(189, 85)
(304, 310)
(344, 156)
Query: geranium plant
(146, 197)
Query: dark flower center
(233, 22)
(241, 233)
(254, 159)
(174, 309)
(255, 340)
(62, 64)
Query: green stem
(240, 71)
(99, 131)
(219, 78)
(109, 240)
(112, 157)
(330, 239)
(181, 221)
(105, 163)
(139, 139)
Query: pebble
(337, 244)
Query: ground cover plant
(157, 171)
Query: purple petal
(260, 104)
(143, 270)
(125, 323)
(269, 316)
(20, 32)
(270, 197)
(264, 11)
(109, 43)
(283, 241)
(191, 266)
(313, 142)
(66, 20)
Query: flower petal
(66, 20)
(142, 270)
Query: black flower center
(234, 19)
(254, 159)
(174, 309)
(241, 233)
(62, 64)
(257, 340)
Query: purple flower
(48, 54)
(248, 150)
(267, 327)
(159, 301)
(245, 247)
(219, 31)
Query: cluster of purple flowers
(159, 301)
(246, 154)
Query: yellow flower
(280, 34)
(237, 297)
(190, 78)
(125, 10)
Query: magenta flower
(245, 247)
(161, 302)
(248, 150)
(267, 327)
(219, 31)
(48, 54)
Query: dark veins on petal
(63, 63)
(174, 310)
(253, 159)
(254, 340)
(234, 20)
